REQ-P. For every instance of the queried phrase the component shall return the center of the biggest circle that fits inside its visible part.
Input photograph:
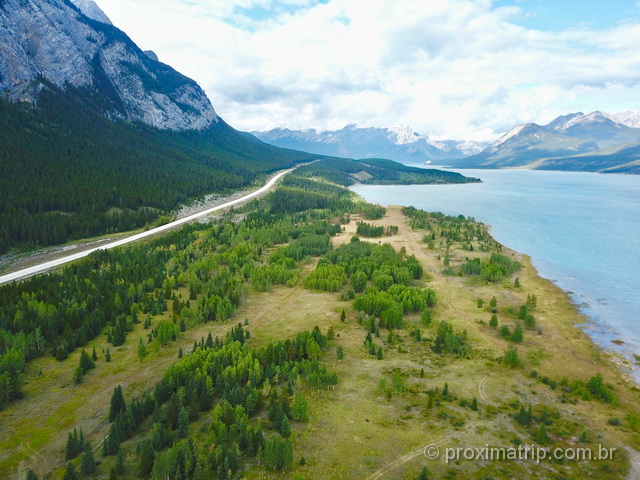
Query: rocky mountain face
(92, 10)
(604, 129)
(399, 143)
(52, 43)
(595, 142)
(525, 144)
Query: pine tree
(118, 403)
(88, 463)
(94, 355)
(300, 408)
(31, 475)
(107, 356)
(343, 315)
(183, 423)
(445, 390)
(119, 465)
(73, 445)
(541, 437)
(142, 350)
(111, 444)
(424, 474)
(474, 404)
(517, 335)
(145, 464)
(180, 352)
(379, 354)
(285, 427)
(70, 473)
(493, 323)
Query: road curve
(43, 267)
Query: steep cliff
(52, 41)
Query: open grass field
(377, 421)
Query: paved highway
(43, 267)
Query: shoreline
(608, 313)
(619, 362)
(622, 364)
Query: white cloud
(448, 68)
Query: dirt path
(431, 452)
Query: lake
(581, 230)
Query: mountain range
(97, 136)
(595, 141)
(398, 143)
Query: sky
(450, 69)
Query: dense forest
(246, 404)
(115, 289)
(379, 172)
(110, 291)
(67, 172)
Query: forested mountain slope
(67, 172)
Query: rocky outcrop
(92, 10)
(51, 41)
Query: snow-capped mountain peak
(405, 134)
(510, 134)
(91, 9)
(630, 118)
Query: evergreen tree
(118, 403)
(111, 444)
(424, 474)
(541, 437)
(300, 408)
(119, 465)
(511, 357)
(74, 446)
(88, 463)
(70, 473)
(343, 315)
(31, 475)
(107, 356)
(517, 335)
(183, 423)
(145, 463)
(474, 404)
(94, 355)
(142, 350)
(493, 323)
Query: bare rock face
(51, 41)
(92, 10)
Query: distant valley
(399, 143)
(596, 142)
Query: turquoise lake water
(581, 230)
